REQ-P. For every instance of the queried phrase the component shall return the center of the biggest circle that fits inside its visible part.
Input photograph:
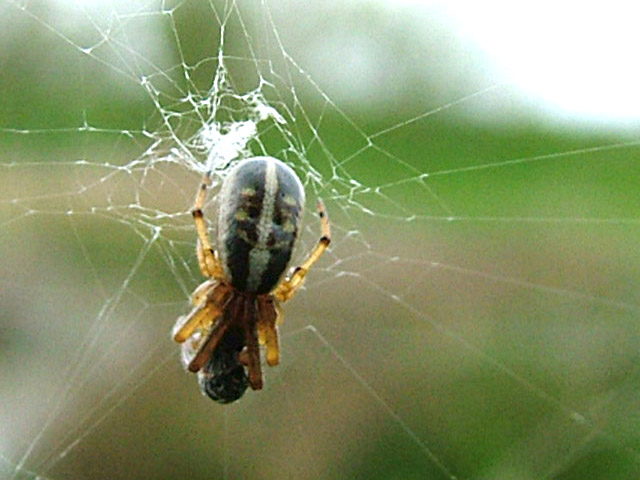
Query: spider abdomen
(261, 203)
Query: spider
(237, 308)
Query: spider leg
(187, 324)
(210, 300)
(199, 296)
(288, 288)
(253, 358)
(210, 343)
(262, 335)
(269, 313)
(210, 265)
(250, 355)
(250, 320)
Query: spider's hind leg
(210, 265)
(289, 287)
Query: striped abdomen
(260, 207)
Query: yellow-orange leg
(288, 288)
(200, 294)
(209, 264)
(210, 299)
(199, 317)
(269, 313)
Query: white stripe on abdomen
(259, 255)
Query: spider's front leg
(209, 299)
(269, 314)
(245, 312)
(288, 288)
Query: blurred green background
(477, 315)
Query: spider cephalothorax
(238, 307)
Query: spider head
(223, 379)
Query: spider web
(476, 316)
